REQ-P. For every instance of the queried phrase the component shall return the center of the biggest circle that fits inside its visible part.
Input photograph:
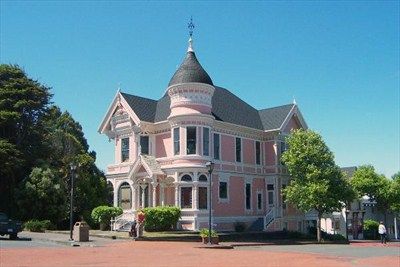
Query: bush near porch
(103, 215)
(161, 218)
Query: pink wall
(235, 206)
(163, 145)
(228, 148)
(269, 153)
(248, 151)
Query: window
(125, 196)
(223, 190)
(270, 189)
(202, 198)
(176, 141)
(216, 146)
(186, 197)
(337, 224)
(186, 178)
(124, 149)
(144, 145)
(258, 153)
(206, 141)
(248, 196)
(191, 140)
(259, 201)
(238, 149)
(203, 178)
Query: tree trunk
(319, 227)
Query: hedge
(103, 214)
(161, 218)
(37, 226)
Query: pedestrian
(141, 217)
(382, 232)
(133, 232)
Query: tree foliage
(317, 182)
(38, 142)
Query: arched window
(186, 178)
(125, 196)
(202, 178)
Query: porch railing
(269, 218)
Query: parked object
(81, 232)
(9, 227)
(133, 232)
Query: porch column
(134, 196)
(195, 195)
(176, 194)
(143, 186)
(115, 194)
(154, 187)
(162, 194)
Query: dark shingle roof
(272, 118)
(190, 71)
(225, 107)
(349, 171)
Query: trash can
(81, 232)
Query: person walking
(382, 232)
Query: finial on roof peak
(294, 101)
(119, 87)
(190, 27)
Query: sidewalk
(62, 237)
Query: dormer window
(124, 149)
(144, 145)
(190, 140)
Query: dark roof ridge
(142, 97)
(280, 106)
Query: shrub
(204, 233)
(103, 214)
(37, 226)
(370, 229)
(239, 226)
(161, 218)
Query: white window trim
(186, 185)
(224, 177)
(273, 196)
(173, 141)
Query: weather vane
(191, 27)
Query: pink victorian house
(161, 147)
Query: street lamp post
(71, 211)
(210, 166)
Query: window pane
(223, 190)
(206, 141)
(203, 198)
(270, 187)
(270, 197)
(176, 141)
(144, 145)
(259, 201)
(124, 149)
(248, 196)
(186, 178)
(186, 197)
(258, 152)
(203, 178)
(238, 149)
(216, 146)
(191, 140)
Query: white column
(143, 186)
(195, 190)
(135, 199)
(115, 186)
(154, 187)
(162, 194)
(177, 194)
(395, 228)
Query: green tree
(377, 187)
(23, 102)
(317, 183)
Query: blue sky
(340, 60)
